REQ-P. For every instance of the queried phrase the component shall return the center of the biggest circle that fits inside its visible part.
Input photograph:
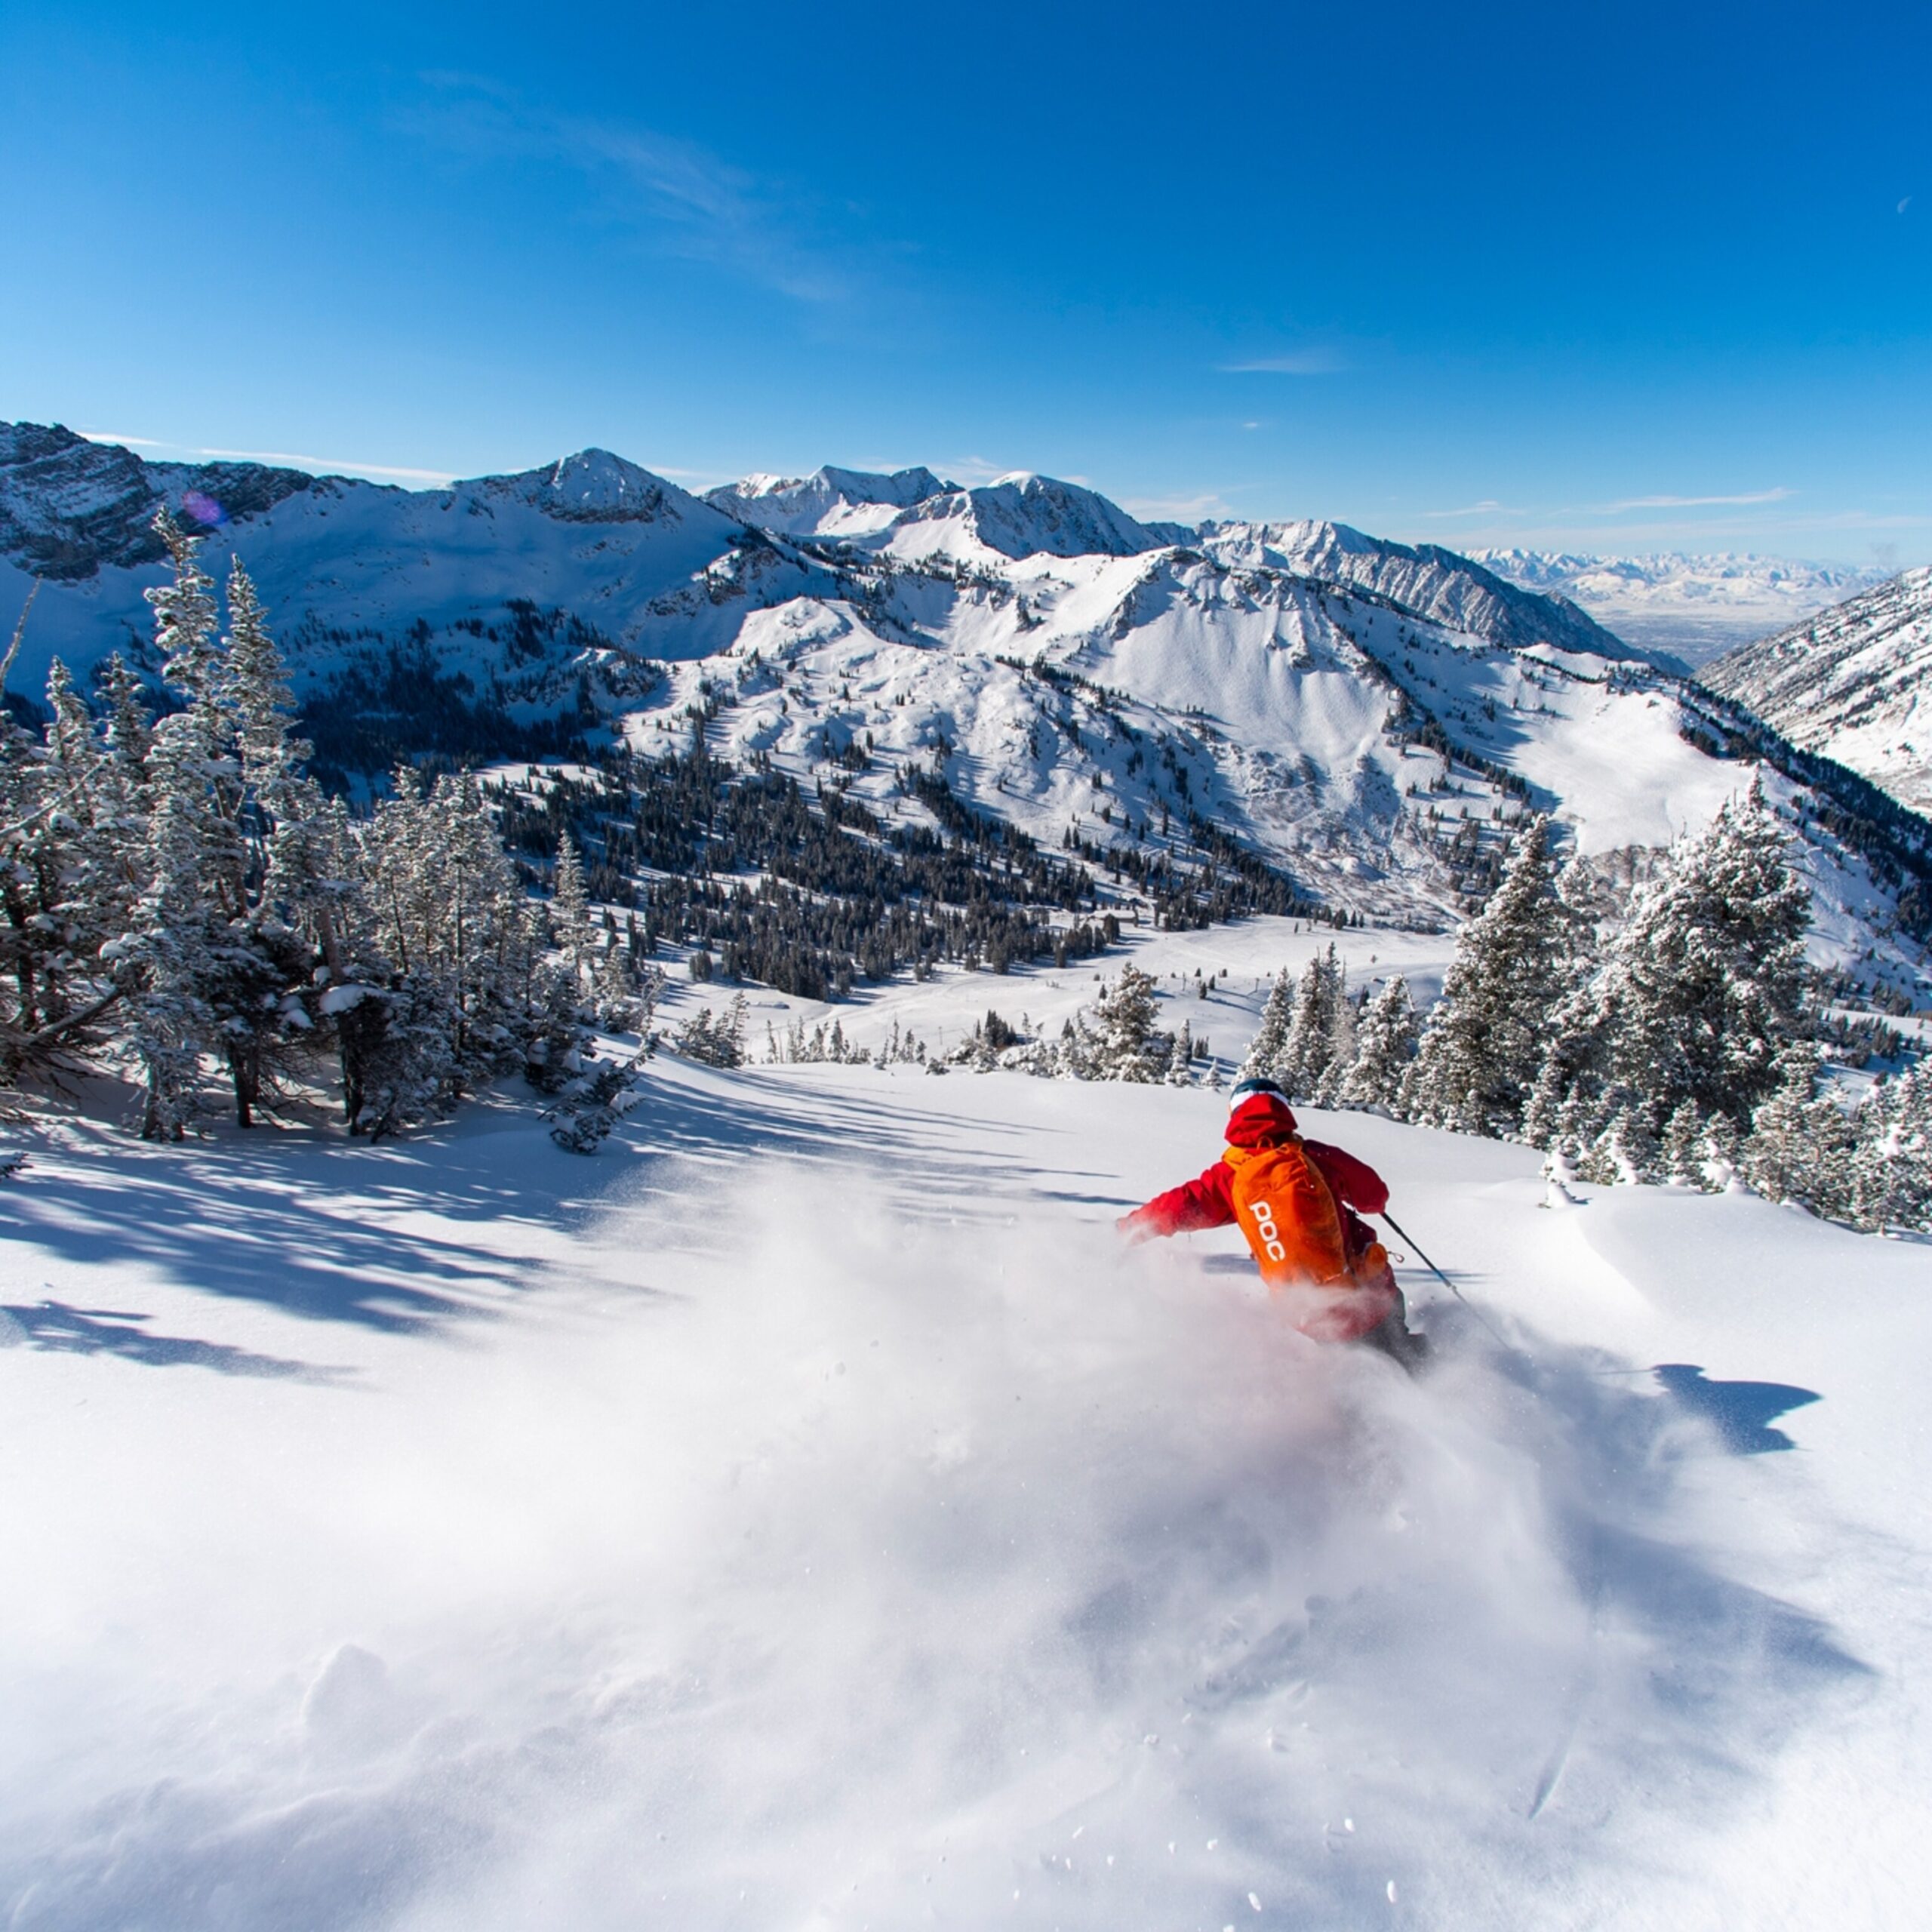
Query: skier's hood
(1259, 1118)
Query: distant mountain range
(1362, 713)
(1695, 607)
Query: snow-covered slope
(912, 513)
(830, 502)
(1855, 683)
(1018, 516)
(803, 1514)
(1696, 607)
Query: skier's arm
(1358, 1184)
(1205, 1202)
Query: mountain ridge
(1368, 716)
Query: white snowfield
(806, 1514)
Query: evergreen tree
(1385, 1044)
(1484, 1047)
(569, 908)
(1681, 1159)
(1339, 1055)
(1803, 1147)
(1180, 1061)
(1305, 1056)
(1125, 1043)
(1892, 1163)
(1701, 999)
(1277, 1017)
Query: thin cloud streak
(1776, 496)
(1177, 509)
(1786, 535)
(1488, 508)
(328, 464)
(696, 204)
(320, 465)
(1299, 362)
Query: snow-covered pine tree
(1305, 1055)
(1277, 1017)
(1681, 1158)
(1892, 1164)
(1124, 1042)
(718, 1039)
(1626, 1152)
(1804, 1147)
(1701, 999)
(1339, 1054)
(1546, 1120)
(1484, 1046)
(569, 908)
(1385, 1044)
(173, 937)
(62, 889)
(1180, 1061)
(254, 685)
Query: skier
(1295, 1201)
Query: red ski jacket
(1208, 1202)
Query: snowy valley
(1696, 607)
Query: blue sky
(1605, 278)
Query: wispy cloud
(1176, 510)
(334, 464)
(1695, 503)
(692, 202)
(972, 469)
(1489, 506)
(331, 466)
(1295, 362)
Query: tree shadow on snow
(320, 1235)
(54, 1326)
(1740, 1412)
(818, 1125)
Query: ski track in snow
(818, 1521)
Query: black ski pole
(1396, 1228)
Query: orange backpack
(1288, 1212)
(1285, 1206)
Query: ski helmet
(1247, 1090)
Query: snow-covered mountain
(593, 532)
(1696, 607)
(1457, 591)
(912, 513)
(1361, 712)
(830, 503)
(1855, 683)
